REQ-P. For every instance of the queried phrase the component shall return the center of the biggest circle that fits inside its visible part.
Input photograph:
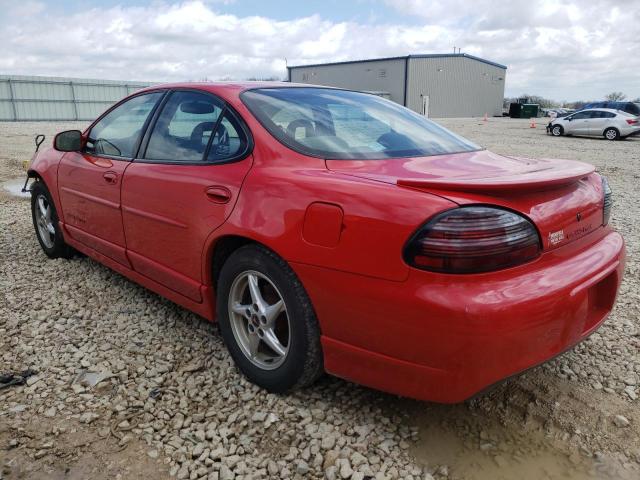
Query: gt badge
(556, 237)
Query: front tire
(45, 223)
(612, 134)
(267, 320)
(557, 130)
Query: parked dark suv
(629, 107)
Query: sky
(566, 50)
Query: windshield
(339, 124)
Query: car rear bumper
(444, 338)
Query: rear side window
(228, 141)
(632, 108)
(184, 127)
(608, 115)
(117, 133)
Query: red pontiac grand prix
(331, 230)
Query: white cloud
(564, 50)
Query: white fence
(27, 98)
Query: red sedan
(330, 230)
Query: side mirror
(69, 141)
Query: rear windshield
(339, 124)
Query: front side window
(117, 133)
(184, 127)
(580, 116)
(340, 124)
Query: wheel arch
(221, 248)
(50, 184)
(44, 168)
(31, 173)
(611, 127)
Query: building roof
(433, 55)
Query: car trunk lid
(561, 197)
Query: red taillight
(472, 240)
(632, 121)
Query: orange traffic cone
(533, 123)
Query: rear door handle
(218, 194)
(110, 177)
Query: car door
(596, 122)
(182, 186)
(89, 181)
(578, 123)
(600, 122)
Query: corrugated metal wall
(25, 98)
(372, 75)
(456, 86)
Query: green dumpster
(523, 110)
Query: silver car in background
(596, 122)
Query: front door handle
(218, 194)
(110, 177)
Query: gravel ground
(169, 402)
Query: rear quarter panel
(377, 218)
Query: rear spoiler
(557, 174)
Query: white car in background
(596, 122)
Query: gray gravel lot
(170, 402)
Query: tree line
(548, 103)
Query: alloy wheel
(259, 319)
(46, 229)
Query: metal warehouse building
(56, 98)
(438, 86)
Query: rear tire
(612, 134)
(46, 224)
(272, 335)
(557, 130)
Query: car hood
(562, 197)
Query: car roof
(611, 110)
(230, 86)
